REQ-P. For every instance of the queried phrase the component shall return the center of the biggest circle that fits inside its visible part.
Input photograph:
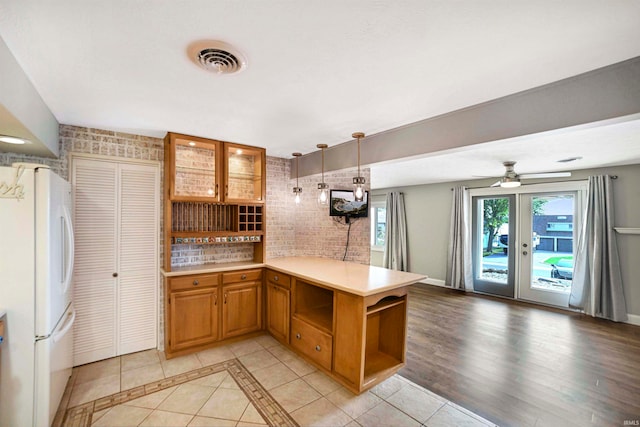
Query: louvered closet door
(117, 217)
(138, 256)
(95, 221)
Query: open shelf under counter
(321, 317)
(211, 268)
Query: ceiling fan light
(510, 182)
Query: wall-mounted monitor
(342, 203)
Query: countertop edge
(352, 291)
(221, 268)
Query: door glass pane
(244, 174)
(493, 259)
(552, 223)
(195, 169)
(495, 240)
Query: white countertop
(358, 279)
(210, 268)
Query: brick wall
(188, 180)
(317, 233)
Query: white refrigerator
(36, 266)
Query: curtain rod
(537, 183)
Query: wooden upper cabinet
(244, 173)
(215, 171)
(195, 167)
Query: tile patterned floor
(254, 382)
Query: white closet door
(95, 222)
(138, 253)
(116, 273)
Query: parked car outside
(563, 269)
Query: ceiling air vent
(217, 56)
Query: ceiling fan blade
(545, 175)
(496, 184)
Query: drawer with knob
(279, 279)
(241, 276)
(193, 281)
(312, 342)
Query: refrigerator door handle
(60, 334)
(69, 254)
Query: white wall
(428, 217)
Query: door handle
(524, 245)
(524, 252)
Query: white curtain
(597, 280)
(395, 243)
(459, 264)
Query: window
(560, 226)
(378, 224)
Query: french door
(524, 242)
(546, 246)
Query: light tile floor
(309, 396)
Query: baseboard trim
(633, 319)
(435, 282)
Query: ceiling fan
(511, 179)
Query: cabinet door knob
(275, 278)
(225, 298)
(115, 274)
(244, 276)
(196, 283)
(215, 299)
(318, 348)
(298, 336)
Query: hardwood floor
(519, 364)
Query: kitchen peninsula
(347, 319)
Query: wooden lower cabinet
(192, 312)
(312, 342)
(358, 340)
(202, 309)
(278, 305)
(242, 303)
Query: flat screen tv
(342, 203)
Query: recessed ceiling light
(569, 159)
(13, 140)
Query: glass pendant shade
(297, 190)
(323, 188)
(358, 181)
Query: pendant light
(297, 190)
(358, 181)
(323, 189)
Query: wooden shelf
(385, 304)
(320, 317)
(378, 362)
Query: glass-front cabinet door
(244, 174)
(197, 164)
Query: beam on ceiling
(600, 96)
